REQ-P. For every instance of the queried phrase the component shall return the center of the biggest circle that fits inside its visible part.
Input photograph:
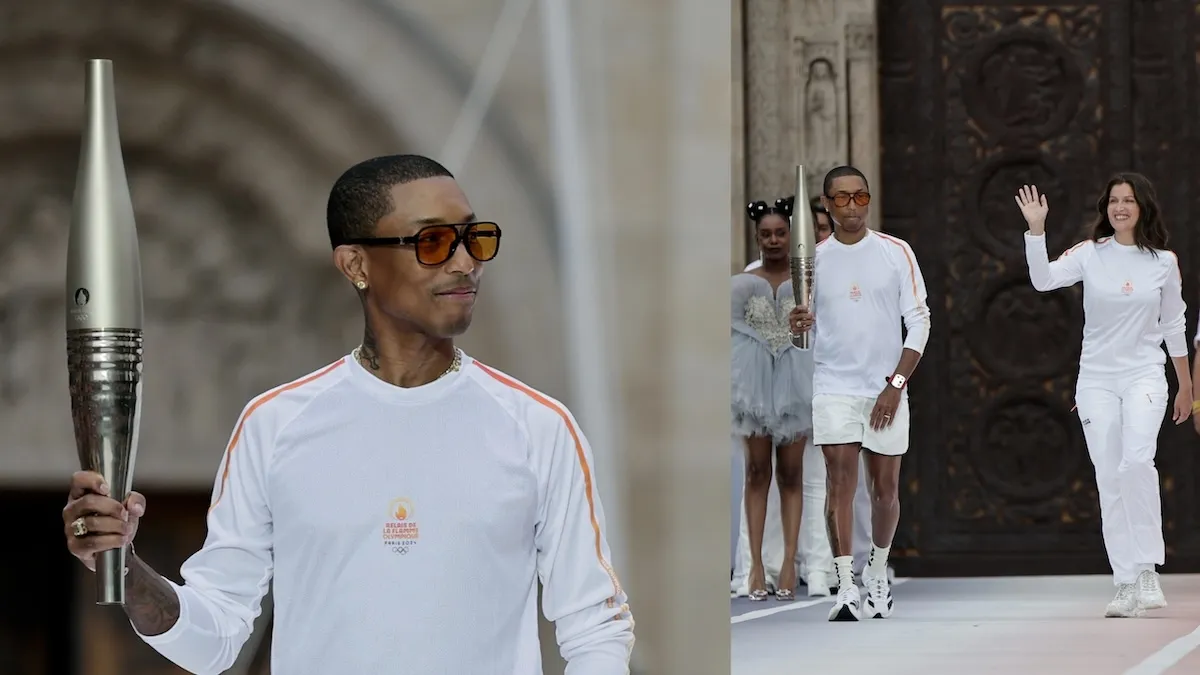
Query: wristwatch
(897, 381)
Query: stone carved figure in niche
(1133, 303)
(821, 114)
(1023, 83)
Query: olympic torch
(104, 313)
(804, 249)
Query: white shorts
(842, 420)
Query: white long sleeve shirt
(863, 294)
(406, 531)
(1132, 302)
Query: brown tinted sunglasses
(842, 199)
(435, 244)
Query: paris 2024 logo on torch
(400, 532)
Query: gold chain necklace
(455, 363)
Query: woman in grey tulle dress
(772, 393)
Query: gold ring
(79, 528)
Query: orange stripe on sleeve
(912, 276)
(579, 454)
(1076, 246)
(912, 266)
(237, 433)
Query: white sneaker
(1149, 591)
(879, 602)
(1125, 605)
(891, 575)
(846, 607)
(818, 585)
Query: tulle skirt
(752, 395)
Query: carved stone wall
(980, 99)
(811, 95)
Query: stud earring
(360, 285)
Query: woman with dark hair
(771, 394)
(1132, 303)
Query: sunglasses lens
(434, 244)
(483, 241)
(842, 200)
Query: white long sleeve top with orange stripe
(863, 295)
(1132, 302)
(406, 531)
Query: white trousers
(1121, 418)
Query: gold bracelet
(1196, 406)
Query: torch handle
(104, 370)
(110, 577)
(802, 283)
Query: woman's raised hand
(1034, 208)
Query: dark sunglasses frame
(461, 232)
(842, 199)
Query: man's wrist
(897, 381)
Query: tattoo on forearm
(370, 350)
(150, 602)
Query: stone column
(740, 242)
(819, 107)
(862, 68)
(658, 111)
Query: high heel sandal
(785, 592)
(758, 596)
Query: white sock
(877, 563)
(844, 565)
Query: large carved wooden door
(979, 99)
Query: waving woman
(1132, 303)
